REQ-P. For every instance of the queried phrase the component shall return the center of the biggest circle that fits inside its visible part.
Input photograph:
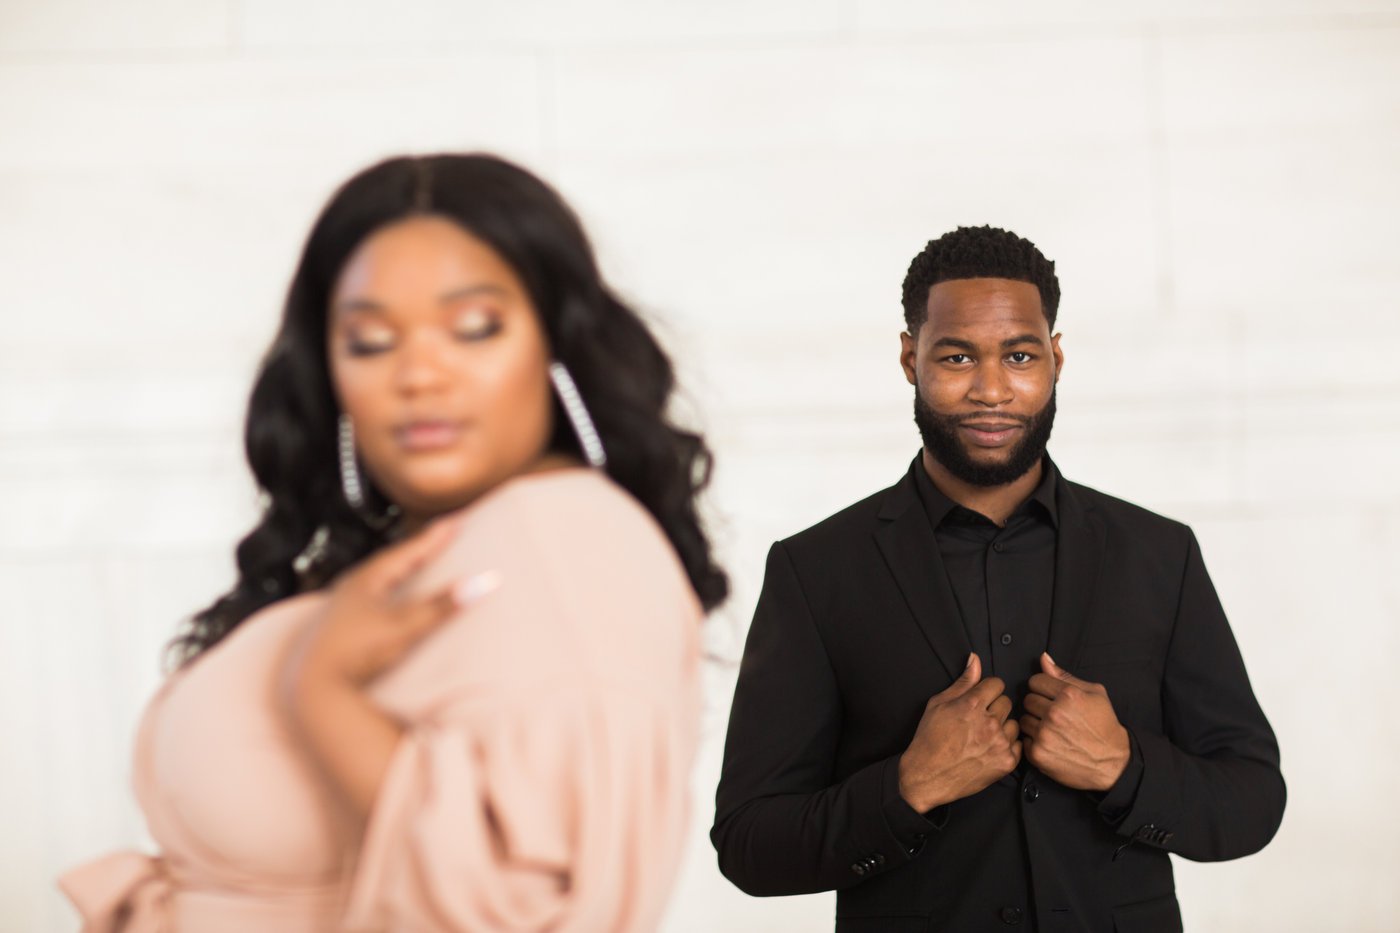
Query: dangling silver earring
(349, 469)
(350, 480)
(578, 415)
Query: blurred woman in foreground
(455, 686)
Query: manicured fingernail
(968, 665)
(475, 587)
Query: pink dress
(541, 783)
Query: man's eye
(1020, 357)
(957, 358)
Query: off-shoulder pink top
(541, 783)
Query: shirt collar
(938, 506)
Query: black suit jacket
(856, 628)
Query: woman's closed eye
(369, 341)
(476, 324)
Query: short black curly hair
(974, 253)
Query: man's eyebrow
(958, 343)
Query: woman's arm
(350, 739)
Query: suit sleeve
(783, 824)
(1210, 787)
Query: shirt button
(997, 547)
(1032, 793)
(1011, 915)
(1006, 639)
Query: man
(988, 696)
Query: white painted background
(1216, 179)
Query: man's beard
(941, 440)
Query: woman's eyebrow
(361, 305)
(470, 290)
(370, 306)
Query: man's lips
(428, 434)
(990, 433)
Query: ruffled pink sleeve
(555, 812)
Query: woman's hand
(369, 623)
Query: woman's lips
(990, 433)
(428, 435)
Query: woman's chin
(434, 486)
(428, 499)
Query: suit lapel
(1078, 556)
(911, 552)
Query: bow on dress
(125, 892)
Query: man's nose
(990, 385)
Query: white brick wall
(1216, 180)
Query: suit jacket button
(859, 868)
(1032, 793)
(1011, 915)
(879, 859)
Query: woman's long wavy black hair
(623, 375)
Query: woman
(455, 687)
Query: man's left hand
(1070, 731)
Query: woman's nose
(422, 364)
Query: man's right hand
(964, 742)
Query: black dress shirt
(1003, 577)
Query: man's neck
(995, 502)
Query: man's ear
(1058, 355)
(908, 347)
